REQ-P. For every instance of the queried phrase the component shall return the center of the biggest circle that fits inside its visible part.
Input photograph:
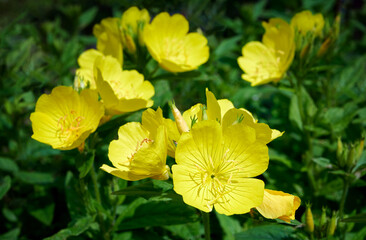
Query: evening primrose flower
(108, 36)
(277, 204)
(133, 22)
(169, 44)
(305, 22)
(64, 119)
(137, 154)
(84, 75)
(121, 91)
(268, 61)
(215, 168)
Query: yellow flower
(169, 44)
(215, 168)
(137, 154)
(268, 61)
(151, 120)
(132, 23)
(305, 22)
(84, 75)
(277, 204)
(121, 91)
(64, 119)
(108, 36)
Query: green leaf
(75, 203)
(323, 162)
(9, 215)
(308, 103)
(35, 177)
(163, 94)
(258, 9)
(146, 190)
(267, 232)
(186, 231)
(360, 235)
(11, 235)
(226, 46)
(359, 218)
(44, 214)
(5, 185)
(87, 17)
(294, 113)
(230, 225)
(159, 213)
(76, 228)
(8, 165)
(84, 162)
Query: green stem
(95, 183)
(206, 223)
(343, 199)
(308, 158)
(151, 74)
(342, 204)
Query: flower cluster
(268, 61)
(219, 150)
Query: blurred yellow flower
(84, 75)
(268, 61)
(305, 22)
(64, 119)
(169, 44)
(132, 23)
(121, 91)
(215, 168)
(108, 36)
(277, 204)
(137, 154)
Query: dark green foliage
(50, 194)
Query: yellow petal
(121, 91)
(194, 114)
(201, 147)
(213, 108)
(259, 64)
(245, 193)
(187, 181)
(150, 160)
(247, 155)
(151, 120)
(225, 105)
(122, 150)
(119, 172)
(277, 204)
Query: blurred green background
(40, 42)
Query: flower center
(69, 126)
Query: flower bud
(351, 157)
(323, 218)
(339, 149)
(332, 225)
(179, 120)
(304, 51)
(324, 47)
(360, 148)
(309, 221)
